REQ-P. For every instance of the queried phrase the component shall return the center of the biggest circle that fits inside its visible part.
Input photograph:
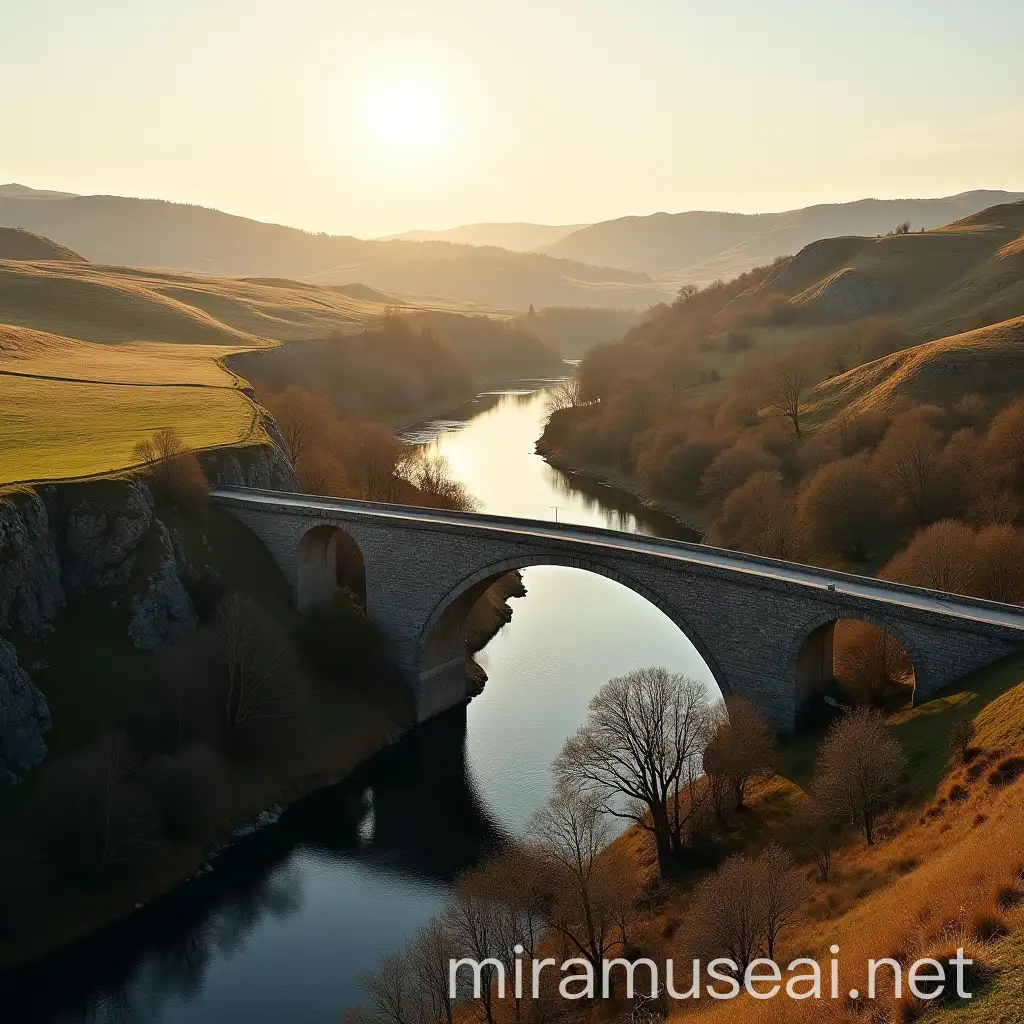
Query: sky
(370, 117)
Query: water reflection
(409, 816)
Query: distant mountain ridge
(120, 231)
(517, 237)
(700, 246)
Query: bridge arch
(443, 637)
(811, 653)
(328, 556)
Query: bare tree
(320, 473)
(303, 418)
(818, 831)
(473, 923)
(394, 991)
(373, 459)
(570, 831)
(260, 679)
(92, 812)
(431, 475)
(859, 766)
(760, 517)
(726, 912)
(788, 382)
(172, 466)
(741, 748)
(783, 892)
(641, 745)
(430, 951)
(731, 469)
(567, 394)
(844, 509)
(869, 660)
(909, 455)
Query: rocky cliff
(62, 541)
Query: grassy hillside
(58, 429)
(933, 283)
(16, 244)
(701, 246)
(93, 358)
(987, 361)
(152, 233)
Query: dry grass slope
(987, 361)
(17, 244)
(94, 358)
(939, 282)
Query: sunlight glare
(404, 117)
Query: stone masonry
(749, 624)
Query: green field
(93, 358)
(60, 430)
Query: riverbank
(351, 728)
(401, 422)
(690, 517)
(353, 724)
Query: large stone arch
(442, 639)
(830, 618)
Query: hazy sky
(376, 116)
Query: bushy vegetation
(359, 459)
(241, 700)
(856, 855)
(402, 363)
(869, 488)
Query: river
(281, 930)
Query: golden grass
(59, 430)
(18, 244)
(101, 303)
(27, 352)
(941, 883)
(942, 876)
(989, 361)
(74, 330)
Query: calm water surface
(280, 931)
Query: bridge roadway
(425, 567)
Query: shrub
(339, 639)
(189, 789)
(173, 468)
(961, 735)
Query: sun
(404, 116)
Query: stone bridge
(764, 627)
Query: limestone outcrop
(24, 717)
(163, 615)
(31, 592)
(102, 536)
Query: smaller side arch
(327, 555)
(443, 637)
(812, 642)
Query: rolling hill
(153, 233)
(17, 244)
(93, 358)
(936, 283)
(701, 246)
(517, 237)
(988, 361)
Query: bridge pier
(441, 688)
